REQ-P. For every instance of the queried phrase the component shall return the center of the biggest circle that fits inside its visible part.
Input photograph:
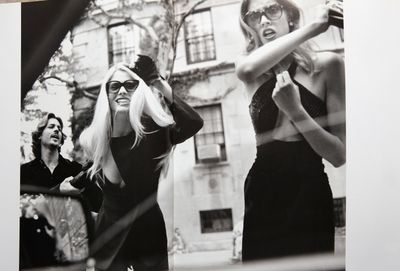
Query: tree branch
(123, 17)
(73, 84)
(176, 32)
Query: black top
(264, 111)
(144, 239)
(140, 167)
(36, 173)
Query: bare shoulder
(331, 66)
(329, 61)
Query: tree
(161, 33)
(159, 40)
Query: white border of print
(372, 42)
(373, 113)
(10, 76)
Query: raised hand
(321, 20)
(163, 86)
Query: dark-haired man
(49, 169)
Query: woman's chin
(122, 108)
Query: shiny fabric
(264, 111)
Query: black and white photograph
(183, 135)
(199, 135)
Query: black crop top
(264, 111)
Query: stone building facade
(202, 194)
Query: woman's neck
(121, 124)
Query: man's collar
(61, 160)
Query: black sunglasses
(129, 85)
(272, 12)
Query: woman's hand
(163, 86)
(321, 21)
(286, 95)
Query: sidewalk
(211, 259)
(200, 259)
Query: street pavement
(209, 259)
(198, 259)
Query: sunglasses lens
(252, 17)
(114, 86)
(131, 85)
(273, 12)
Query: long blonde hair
(95, 139)
(303, 54)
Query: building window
(210, 140)
(121, 43)
(216, 220)
(339, 209)
(199, 37)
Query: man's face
(52, 134)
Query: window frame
(227, 211)
(109, 52)
(189, 61)
(224, 153)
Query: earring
(291, 24)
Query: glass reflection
(52, 231)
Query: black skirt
(288, 203)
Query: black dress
(142, 243)
(288, 200)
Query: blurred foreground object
(55, 230)
(44, 25)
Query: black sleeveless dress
(288, 200)
(142, 240)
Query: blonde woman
(297, 109)
(127, 141)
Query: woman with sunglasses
(297, 108)
(128, 141)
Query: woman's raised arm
(187, 121)
(261, 60)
